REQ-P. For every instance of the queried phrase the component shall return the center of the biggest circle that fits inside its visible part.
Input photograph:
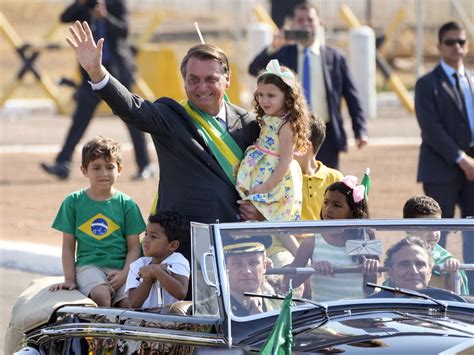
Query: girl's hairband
(273, 67)
(358, 191)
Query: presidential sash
(220, 142)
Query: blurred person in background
(444, 104)
(325, 77)
(109, 20)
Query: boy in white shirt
(161, 277)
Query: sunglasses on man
(452, 42)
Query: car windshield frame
(218, 231)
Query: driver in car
(246, 264)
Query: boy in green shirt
(104, 223)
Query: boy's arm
(303, 254)
(118, 278)
(285, 137)
(290, 243)
(69, 264)
(175, 284)
(137, 296)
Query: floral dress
(283, 202)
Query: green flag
(366, 182)
(280, 340)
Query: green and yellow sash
(220, 142)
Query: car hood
(407, 327)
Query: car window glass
(347, 250)
(205, 298)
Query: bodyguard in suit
(199, 141)
(109, 20)
(445, 112)
(325, 78)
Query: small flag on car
(281, 339)
(366, 182)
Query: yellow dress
(283, 202)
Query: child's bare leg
(100, 294)
(123, 303)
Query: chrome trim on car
(132, 334)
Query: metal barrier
(28, 54)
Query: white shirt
(466, 87)
(177, 264)
(319, 103)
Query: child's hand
(149, 272)
(117, 278)
(322, 267)
(259, 189)
(370, 266)
(66, 285)
(451, 265)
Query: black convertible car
(234, 308)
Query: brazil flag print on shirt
(100, 227)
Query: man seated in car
(409, 264)
(423, 206)
(246, 265)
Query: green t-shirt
(100, 227)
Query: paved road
(12, 284)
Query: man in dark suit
(444, 110)
(325, 77)
(195, 179)
(108, 20)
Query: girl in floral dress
(268, 175)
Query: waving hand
(88, 53)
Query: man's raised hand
(88, 53)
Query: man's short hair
(421, 206)
(317, 133)
(407, 242)
(306, 5)
(449, 26)
(176, 226)
(101, 147)
(206, 52)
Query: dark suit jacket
(339, 83)
(445, 130)
(191, 180)
(121, 63)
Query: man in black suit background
(445, 112)
(326, 78)
(193, 138)
(109, 20)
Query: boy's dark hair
(101, 147)
(449, 26)
(405, 242)
(317, 132)
(421, 206)
(176, 226)
(359, 210)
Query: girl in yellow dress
(268, 175)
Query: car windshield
(326, 261)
